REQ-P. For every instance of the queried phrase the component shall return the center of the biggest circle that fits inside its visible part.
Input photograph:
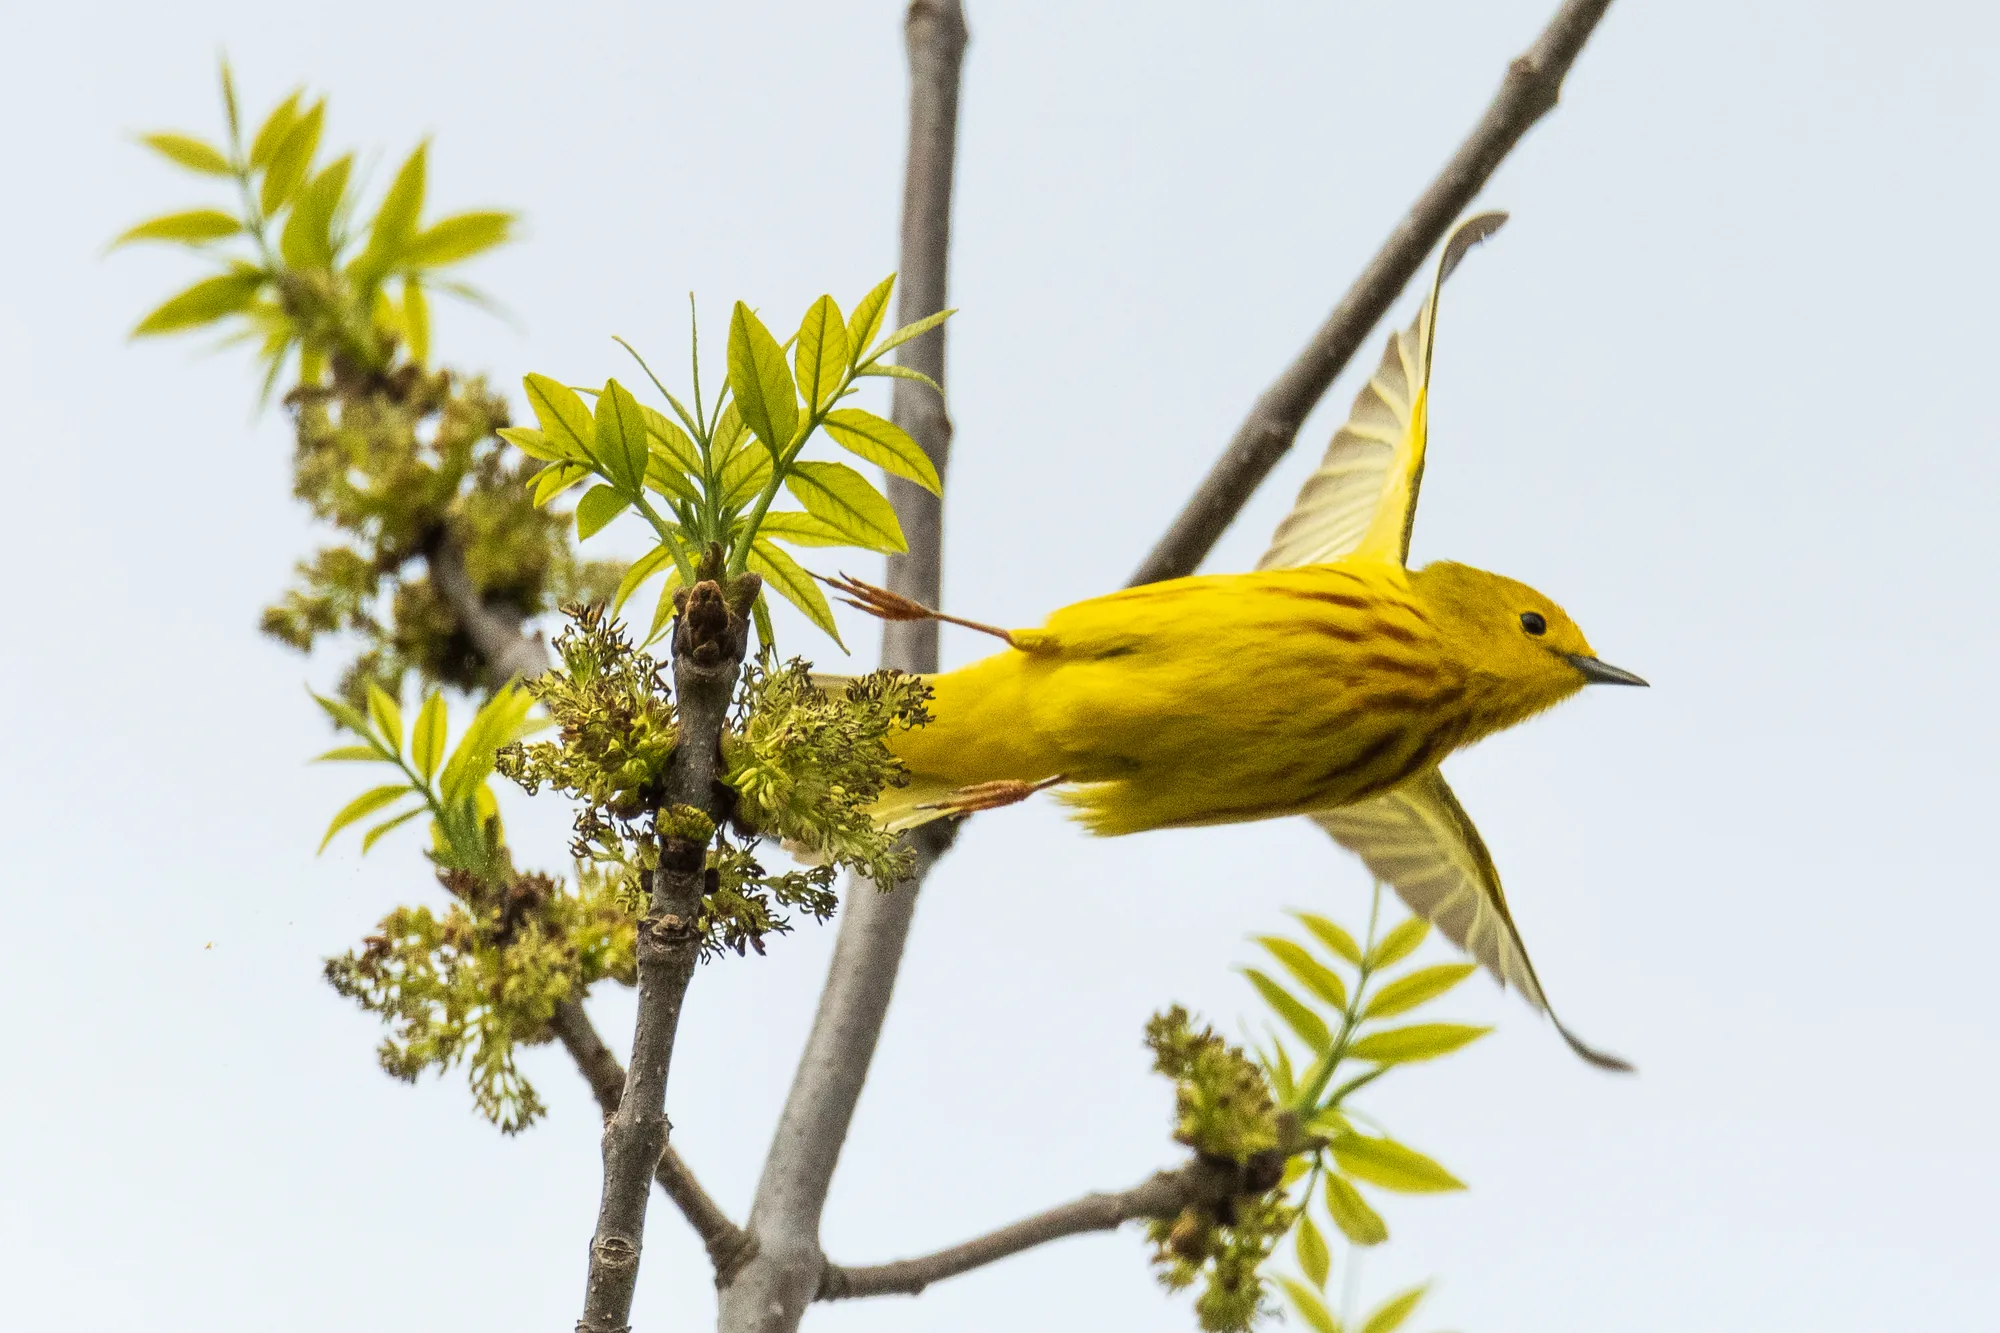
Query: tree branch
(709, 639)
(1162, 1196)
(728, 1244)
(1528, 92)
(771, 1292)
(509, 652)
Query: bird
(1329, 682)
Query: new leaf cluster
(802, 763)
(807, 758)
(403, 461)
(708, 477)
(485, 977)
(1342, 993)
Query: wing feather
(1418, 839)
(1363, 496)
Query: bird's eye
(1532, 622)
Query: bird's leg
(886, 605)
(990, 795)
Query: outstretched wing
(1418, 839)
(1363, 497)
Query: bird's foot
(990, 795)
(886, 605)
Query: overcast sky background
(1721, 388)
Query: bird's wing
(1362, 499)
(1418, 839)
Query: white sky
(1720, 388)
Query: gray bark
(771, 1291)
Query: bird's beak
(1602, 673)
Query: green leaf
(1350, 1212)
(1389, 1164)
(780, 572)
(387, 716)
(901, 373)
(197, 226)
(564, 419)
(274, 129)
(204, 303)
(664, 475)
(500, 720)
(229, 105)
(1419, 1041)
(760, 381)
(346, 716)
(786, 525)
(530, 442)
(622, 444)
(744, 477)
(1332, 936)
(395, 221)
(642, 569)
(350, 754)
(556, 478)
(1421, 986)
(670, 439)
(819, 353)
(362, 806)
(838, 495)
(866, 321)
(1316, 976)
(458, 237)
(1284, 1083)
(1389, 1315)
(416, 320)
(599, 505)
(1399, 943)
(427, 737)
(1309, 1305)
(1296, 1013)
(909, 331)
(374, 835)
(307, 241)
(292, 160)
(190, 152)
(1314, 1260)
(727, 434)
(884, 444)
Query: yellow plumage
(1330, 683)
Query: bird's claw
(989, 795)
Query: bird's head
(1523, 651)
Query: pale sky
(1720, 388)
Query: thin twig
(728, 1244)
(1164, 1195)
(1528, 92)
(771, 1292)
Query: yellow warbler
(1329, 683)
